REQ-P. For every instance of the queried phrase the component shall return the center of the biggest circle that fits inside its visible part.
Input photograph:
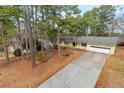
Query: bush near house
(17, 52)
(41, 57)
(66, 52)
(56, 47)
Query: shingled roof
(91, 39)
(83, 39)
(104, 40)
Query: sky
(85, 8)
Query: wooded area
(28, 26)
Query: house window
(66, 43)
(83, 44)
(74, 44)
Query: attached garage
(103, 44)
(102, 49)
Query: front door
(74, 44)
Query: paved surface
(83, 72)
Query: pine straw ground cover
(19, 73)
(112, 74)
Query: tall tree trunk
(42, 11)
(112, 29)
(59, 52)
(46, 33)
(6, 54)
(87, 30)
(26, 40)
(41, 44)
(47, 43)
(33, 28)
(53, 24)
(35, 31)
(94, 31)
(30, 34)
(19, 38)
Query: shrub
(65, 54)
(56, 47)
(63, 47)
(17, 52)
(41, 57)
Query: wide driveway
(83, 72)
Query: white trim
(101, 49)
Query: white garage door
(101, 49)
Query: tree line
(33, 22)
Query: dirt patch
(119, 50)
(19, 73)
(112, 74)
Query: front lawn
(19, 73)
(112, 74)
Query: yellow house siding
(68, 44)
(62, 43)
(88, 46)
(78, 45)
(113, 49)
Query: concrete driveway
(83, 72)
